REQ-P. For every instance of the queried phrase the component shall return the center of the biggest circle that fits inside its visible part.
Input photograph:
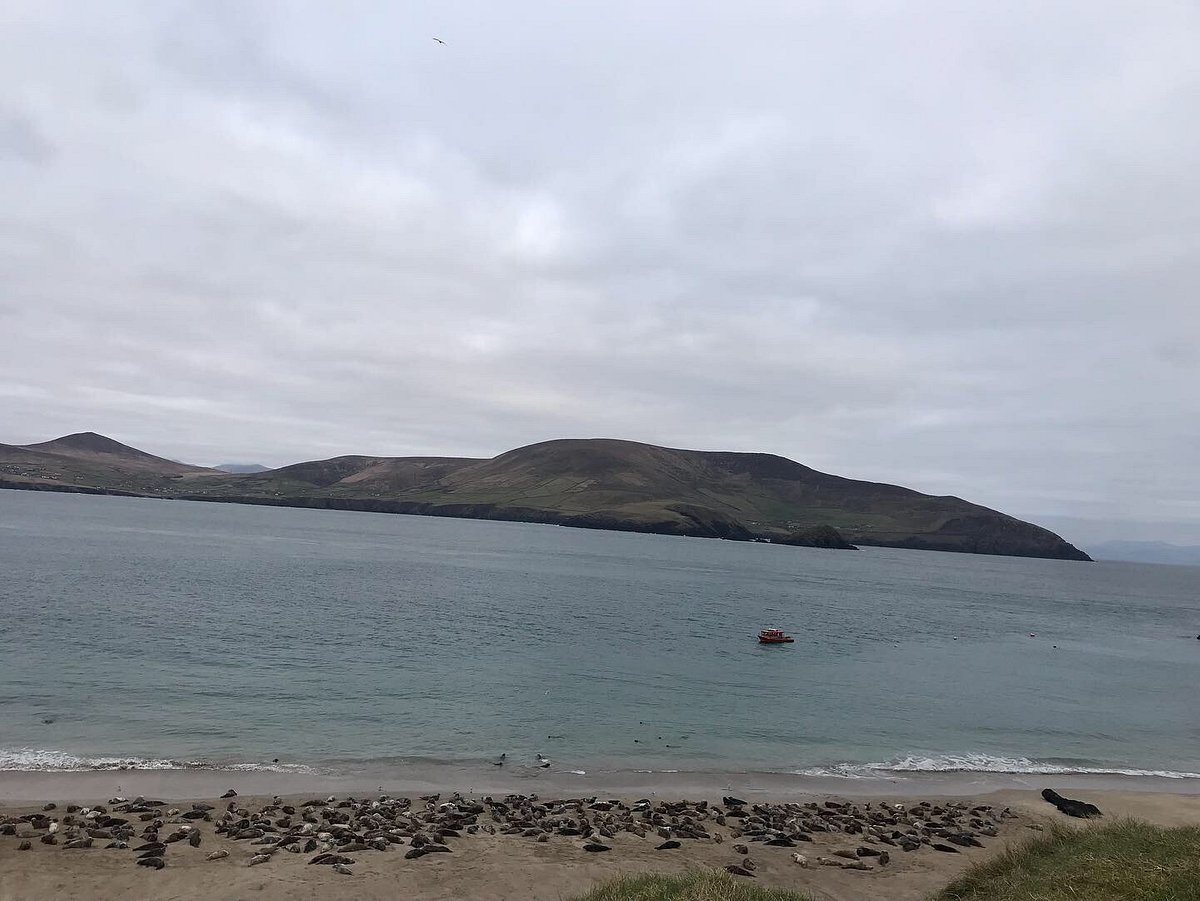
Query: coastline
(30, 786)
(697, 523)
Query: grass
(702, 885)
(1122, 861)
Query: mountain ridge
(587, 483)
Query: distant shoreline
(491, 513)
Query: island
(594, 483)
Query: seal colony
(338, 833)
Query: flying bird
(439, 40)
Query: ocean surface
(172, 634)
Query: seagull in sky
(439, 40)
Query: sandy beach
(502, 866)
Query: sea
(180, 635)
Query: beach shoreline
(29, 786)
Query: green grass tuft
(1122, 861)
(701, 885)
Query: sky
(954, 246)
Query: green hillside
(587, 483)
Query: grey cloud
(226, 46)
(952, 247)
(21, 139)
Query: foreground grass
(710, 885)
(1122, 861)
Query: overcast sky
(950, 245)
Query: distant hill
(92, 447)
(588, 483)
(241, 467)
(89, 462)
(1146, 552)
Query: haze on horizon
(954, 247)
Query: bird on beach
(543, 762)
(499, 761)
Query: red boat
(774, 636)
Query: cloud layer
(951, 246)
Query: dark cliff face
(589, 483)
(818, 536)
(690, 522)
(982, 534)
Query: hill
(588, 483)
(241, 467)
(87, 461)
(104, 451)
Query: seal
(1070, 807)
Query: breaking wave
(980, 763)
(51, 760)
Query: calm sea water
(172, 632)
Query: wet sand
(499, 866)
(99, 785)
